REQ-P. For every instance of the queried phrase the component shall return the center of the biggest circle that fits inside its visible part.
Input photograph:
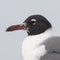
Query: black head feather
(37, 26)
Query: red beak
(16, 27)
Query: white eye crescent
(33, 19)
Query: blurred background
(15, 12)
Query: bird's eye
(33, 21)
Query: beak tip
(9, 29)
(6, 30)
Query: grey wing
(53, 49)
(50, 56)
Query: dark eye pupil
(33, 21)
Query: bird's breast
(31, 48)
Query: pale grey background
(15, 12)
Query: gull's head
(34, 24)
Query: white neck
(41, 37)
(31, 42)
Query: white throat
(30, 44)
